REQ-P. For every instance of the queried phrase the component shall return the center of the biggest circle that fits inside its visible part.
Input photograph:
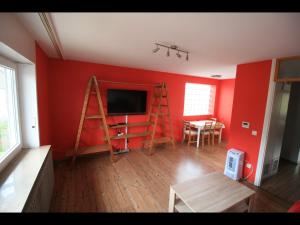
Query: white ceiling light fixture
(173, 47)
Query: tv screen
(126, 102)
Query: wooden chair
(205, 132)
(216, 131)
(190, 131)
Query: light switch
(245, 124)
(254, 132)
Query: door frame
(266, 126)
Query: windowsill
(18, 178)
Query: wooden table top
(213, 192)
(201, 123)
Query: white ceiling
(217, 42)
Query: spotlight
(187, 57)
(168, 52)
(178, 55)
(156, 49)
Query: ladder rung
(157, 96)
(93, 117)
(159, 114)
(159, 140)
(162, 105)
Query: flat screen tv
(126, 102)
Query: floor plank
(138, 182)
(286, 183)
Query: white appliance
(234, 164)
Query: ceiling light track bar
(173, 47)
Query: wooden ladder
(93, 89)
(159, 109)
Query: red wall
(224, 108)
(67, 83)
(43, 96)
(249, 104)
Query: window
(199, 99)
(9, 120)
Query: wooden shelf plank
(137, 124)
(86, 150)
(142, 134)
(93, 117)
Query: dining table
(199, 125)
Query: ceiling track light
(156, 49)
(172, 47)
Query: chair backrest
(208, 126)
(218, 126)
(187, 125)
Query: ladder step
(93, 117)
(162, 105)
(160, 140)
(159, 114)
(131, 135)
(147, 123)
(158, 96)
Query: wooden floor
(138, 182)
(286, 183)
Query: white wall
(28, 105)
(14, 34)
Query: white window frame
(11, 153)
(211, 104)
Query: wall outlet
(248, 165)
(254, 132)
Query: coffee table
(213, 192)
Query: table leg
(198, 137)
(220, 136)
(183, 134)
(171, 200)
(250, 203)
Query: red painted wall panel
(225, 101)
(43, 96)
(68, 80)
(249, 104)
